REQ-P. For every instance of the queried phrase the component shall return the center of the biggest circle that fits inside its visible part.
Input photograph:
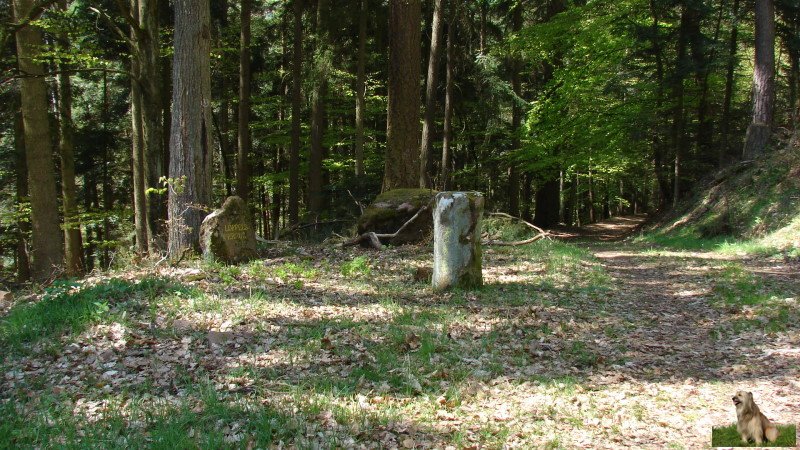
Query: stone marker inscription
(227, 234)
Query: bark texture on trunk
(294, 153)
(73, 245)
(152, 123)
(448, 100)
(547, 204)
(426, 151)
(457, 240)
(759, 130)
(47, 250)
(678, 131)
(361, 86)
(516, 122)
(242, 163)
(403, 128)
(190, 143)
(137, 163)
(21, 167)
(730, 71)
(318, 116)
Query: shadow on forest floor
(564, 346)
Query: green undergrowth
(757, 302)
(750, 208)
(729, 437)
(71, 306)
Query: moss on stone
(391, 209)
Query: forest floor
(586, 341)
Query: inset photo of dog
(752, 427)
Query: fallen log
(374, 239)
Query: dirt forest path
(686, 353)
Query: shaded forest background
(559, 111)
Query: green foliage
(762, 305)
(70, 306)
(356, 267)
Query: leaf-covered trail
(691, 347)
(595, 343)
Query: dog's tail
(771, 432)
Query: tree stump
(457, 240)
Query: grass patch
(761, 304)
(689, 240)
(729, 437)
(69, 306)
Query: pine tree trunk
(516, 121)
(245, 145)
(759, 131)
(547, 204)
(678, 132)
(318, 116)
(21, 168)
(47, 250)
(73, 246)
(426, 152)
(659, 157)
(403, 129)
(361, 86)
(137, 152)
(152, 124)
(733, 46)
(190, 143)
(448, 98)
(294, 155)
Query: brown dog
(752, 423)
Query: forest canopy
(125, 123)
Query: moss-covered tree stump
(392, 209)
(457, 240)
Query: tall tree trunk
(294, 155)
(448, 97)
(318, 115)
(527, 196)
(403, 130)
(190, 143)
(361, 86)
(148, 53)
(659, 157)
(678, 132)
(73, 246)
(482, 32)
(90, 203)
(701, 62)
(547, 204)
(591, 198)
(759, 130)
(245, 145)
(108, 198)
(137, 149)
(730, 79)
(426, 151)
(223, 127)
(47, 250)
(23, 263)
(516, 120)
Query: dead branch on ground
(374, 239)
(542, 234)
